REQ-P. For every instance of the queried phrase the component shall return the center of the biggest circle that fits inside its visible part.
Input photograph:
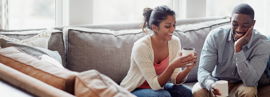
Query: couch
(95, 57)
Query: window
(31, 14)
(108, 11)
(225, 7)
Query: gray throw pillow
(34, 51)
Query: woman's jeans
(170, 90)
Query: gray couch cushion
(106, 51)
(56, 42)
(193, 35)
(136, 25)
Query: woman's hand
(193, 64)
(182, 61)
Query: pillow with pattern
(39, 40)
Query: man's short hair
(244, 9)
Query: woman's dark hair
(155, 16)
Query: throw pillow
(40, 40)
(94, 84)
(51, 60)
(62, 79)
(34, 51)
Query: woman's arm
(181, 77)
(178, 62)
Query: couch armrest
(30, 84)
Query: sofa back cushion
(106, 51)
(136, 25)
(193, 35)
(55, 42)
(109, 51)
(48, 73)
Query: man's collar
(251, 38)
(231, 37)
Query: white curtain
(3, 14)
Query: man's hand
(214, 90)
(243, 40)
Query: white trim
(175, 7)
(4, 14)
(1, 14)
(61, 12)
(180, 8)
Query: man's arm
(208, 61)
(251, 70)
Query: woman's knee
(179, 90)
(151, 93)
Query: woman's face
(166, 28)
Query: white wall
(195, 8)
(80, 12)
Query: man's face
(240, 24)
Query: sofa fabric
(94, 48)
(55, 43)
(91, 83)
(193, 35)
(30, 84)
(60, 78)
(104, 47)
(106, 51)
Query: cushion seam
(204, 27)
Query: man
(236, 53)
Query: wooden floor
(8, 90)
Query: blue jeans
(170, 90)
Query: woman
(154, 59)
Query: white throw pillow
(51, 60)
(40, 40)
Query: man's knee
(244, 91)
(198, 91)
(264, 91)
